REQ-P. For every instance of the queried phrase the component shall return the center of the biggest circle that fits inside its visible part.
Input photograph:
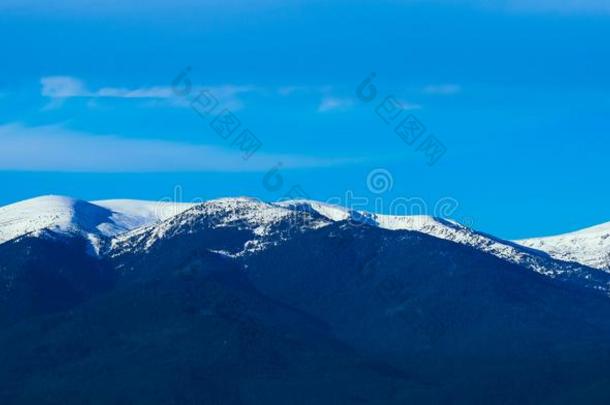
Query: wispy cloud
(63, 87)
(55, 148)
(442, 89)
(332, 103)
(59, 88)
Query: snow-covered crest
(266, 222)
(449, 230)
(94, 221)
(125, 225)
(589, 246)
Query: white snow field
(590, 246)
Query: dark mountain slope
(199, 334)
(45, 274)
(481, 327)
(470, 324)
(236, 304)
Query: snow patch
(590, 246)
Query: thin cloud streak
(331, 103)
(54, 148)
(60, 88)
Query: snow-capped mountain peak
(264, 221)
(332, 212)
(536, 260)
(132, 214)
(118, 227)
(590, 246)
(92, 220)
(56, 213)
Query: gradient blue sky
(519, 93)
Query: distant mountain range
(241, 301)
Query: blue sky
(517, 93)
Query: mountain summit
(241, 301)
(590, 246)
(112, 226)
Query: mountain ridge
(251, 302)
(116, 226)
(590, 246)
